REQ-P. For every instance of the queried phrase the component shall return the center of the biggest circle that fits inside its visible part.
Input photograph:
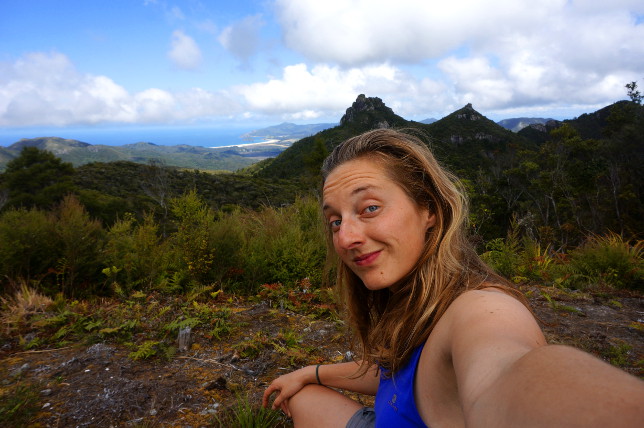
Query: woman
(444, 340)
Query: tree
(633, 93)
(37, 178)
(80, 242)
(156, 184)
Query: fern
(146, 350)
(180, 324)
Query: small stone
(45, 392)
(184, 339)
(19, 371)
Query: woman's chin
(376, 285)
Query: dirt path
(101, 386)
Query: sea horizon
(162, 136)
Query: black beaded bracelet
(317, 374)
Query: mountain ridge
(287, 131)
(516, 124)
(465, 124)
(182, 156)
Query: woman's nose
(350, 235)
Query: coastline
(281, 143)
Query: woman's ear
(431, 219)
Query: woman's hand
(287, 386)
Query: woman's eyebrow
(354, 192)
(362, 189)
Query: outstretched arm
(564, 387)
(507, 376)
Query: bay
(163, 136)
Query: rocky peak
(370, 106)
(468, 113)
(545, 127)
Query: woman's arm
(563, 387)
(340, 375)
(507, 376)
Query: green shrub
(18, 405)
(193, 246)
(503, 256)
(537, 263)
(520, 258)
(27, 245)
(134, 254)
(244, 415)
(80, 240)
(284, 245)
(229, 237)
(606, 261)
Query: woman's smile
(378, 230)
(367, 259)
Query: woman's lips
(366, 259)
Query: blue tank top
(395, 404)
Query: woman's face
(378, 231)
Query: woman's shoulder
(486, 299)
(489, 312)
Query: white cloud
(184, 51)
(46, 89)
(497, 54)
(326, 91)
(353, 32)
(361, 31)
(321, 88)
(477, 81)
(242, 39)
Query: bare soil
(101, 386)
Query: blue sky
(250, 63)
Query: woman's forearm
(345, 376)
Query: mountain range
(517, 124)
(366, 113)
(464, 140)
(576, 176)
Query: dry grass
(25, 303)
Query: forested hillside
(558, 182)
(555, 185)
(229, 158)
(107, 265)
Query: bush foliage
(66, 251)
(602, 261)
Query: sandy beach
(284, 143)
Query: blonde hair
(391, 324)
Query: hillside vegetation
(78, 153)
(103, 265)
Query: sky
(99, 64)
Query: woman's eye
(371, 209)
(336, 223)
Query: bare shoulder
(489, 304)
(488, 330)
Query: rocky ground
(101, 385)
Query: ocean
(163, 136)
